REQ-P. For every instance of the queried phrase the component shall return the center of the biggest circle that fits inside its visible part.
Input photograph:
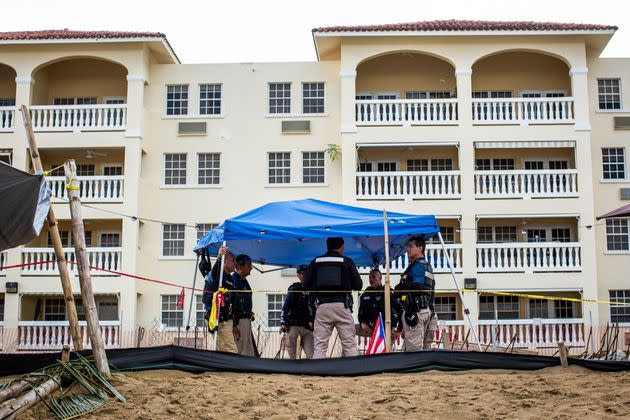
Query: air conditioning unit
(192, 128)
(296, 127)
(622, 123)
(624, 193)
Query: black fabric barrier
(197, 361)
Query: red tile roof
(469, 25)
(70, 34)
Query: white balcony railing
(528, 257)
(53, 335)
(95, 189)
(523, 111)
(7, 118)
(102, 258)
(532, 333)
(407, 185)
(435, 255)
(3, 262)
(109, 117)
(521, 184)
(406, 111)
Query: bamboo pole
(12, 408)
(388, 303)
(83, 267)
(53, 229)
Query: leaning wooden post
(78, 235)
(53, 229)
(388, 303)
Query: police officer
(227, 329)
(298, 316)
(371, 303)
(418, 284)
(335, 276)
(243, 311)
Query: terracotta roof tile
(469, 25)
(70, 34)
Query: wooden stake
(85, 280)
(388, 303)
(53, 229)
(562, 353)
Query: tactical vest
(328, 274)
(425, 296)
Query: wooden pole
(12, 408)
(388, 303)
(83, 265)
(53, 229)
(562, 353)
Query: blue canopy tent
(289, 233)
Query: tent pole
(388, 311)
(192, 295)
(461, 294)
(216, 334)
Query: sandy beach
(554, 393)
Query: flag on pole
(377, 341)
(180, 299)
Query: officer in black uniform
(417, 299)
(335, 276)
(371, 304)
(298, 317)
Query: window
(484, 235)
(313, 98)
(5, 155)
(274, 309)
(313, 167)
(538, 308)
(505, 234)
(55, 310)
(614, 163)
(171, 315)
(386, 166)
(560, 235)
(494, 164)
(620, 313)
(446, 307)
(175, 169)
(536, 235)
(279, 98)
(86, 169)
(107, 309)
(609, 93)
(563, 309)
(210, 99)
(448, 234)
(279, 169)
(176, 99)
(112, 170)
(200, 311)
(204, 228)
(617, 236)
(558, 164)
(427, 95)
(66, 239)
(75, 101)
(7, 101)
(115, 101)
(441, 164)
(507, 307)
(534, 165)
(209, 165)
(417, 165)
(108, 240)
(492, 94)
(173, 240)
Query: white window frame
(302, 166)
(109, 232)
(183, 255)
(112, 165)
(606, 234)
(620, 109)
(75, 99)
(625, 166)
(267, 310)
(9, 154)
(188, 101)
(267, 168)
(167, 327)
(547, 229)
(200, 185)
(290, 98)
(164, 184)
(324, 98)
(199, 233)
(374, 95)
(199, 300)
(221, 113)
(375, 163)
(114, 98)
(542, 93)
(624, 300)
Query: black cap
(302, 267)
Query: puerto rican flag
(377, 341)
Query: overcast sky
(280, 30)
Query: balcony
(101, 117)
(533, 333)
(523, 111)
(92, 189)
(42, 261)
(53, 335)
(435, 255)
(526, 184)
(529, 257)
(407, 185)
(7, 118)
(406, 112)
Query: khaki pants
(327, 317)
(429, 334)
(245, 343)
(414, 336)
(306, 341)
(225, 338)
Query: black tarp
(198, 361)
(25, 200)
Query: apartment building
(512, 133)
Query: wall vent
(622, 123)
(296, 127)
(191, 128)
(624, 193)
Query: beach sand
(552, 393)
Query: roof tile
(70, 34)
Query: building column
(23, 92)
(579, 91)
(463, 76)
(135, 105)
(348, 135)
